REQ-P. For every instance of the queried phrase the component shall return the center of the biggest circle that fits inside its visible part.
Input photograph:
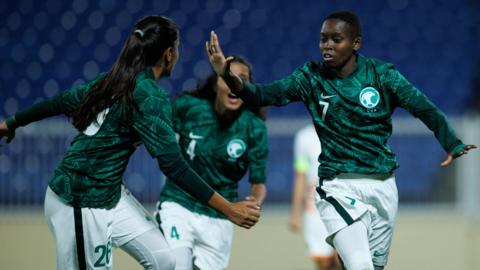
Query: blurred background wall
(49, 46)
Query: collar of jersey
(147, 73)
(361, 62)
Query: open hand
(215, 54)
(451, 156)
(221, 65)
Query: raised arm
(221, 66)
(294, 87)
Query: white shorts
(94, 229)
(373, 199)
(209, 238)
(314, 232)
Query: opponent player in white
(306, 149)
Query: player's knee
(357, 261)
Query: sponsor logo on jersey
(236, 148)
(369, 97)
(194, 137)
(323, 96)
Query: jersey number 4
(191, 149)
(174, 233)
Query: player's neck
(347, 68)
(157, 72)
(224, 114)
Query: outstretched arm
(414, 101)
(63, 103)
(60, 104)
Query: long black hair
(144, 47)
(208, 89)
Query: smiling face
(337, 45)
(225, 100)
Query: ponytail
(143, 48)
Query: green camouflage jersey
(221, 155)
(352, 115)
(90, 175)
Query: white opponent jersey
(306, 150)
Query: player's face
(173, 58)
(336, 44)
(225, 100)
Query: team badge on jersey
(236, 148)
(369, 97)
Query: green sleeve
(415, 102)
(153, 122)
(179, 111)
(294, 87)
(174, 166)
(63, 103)
(153, 125)
(258, 153)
